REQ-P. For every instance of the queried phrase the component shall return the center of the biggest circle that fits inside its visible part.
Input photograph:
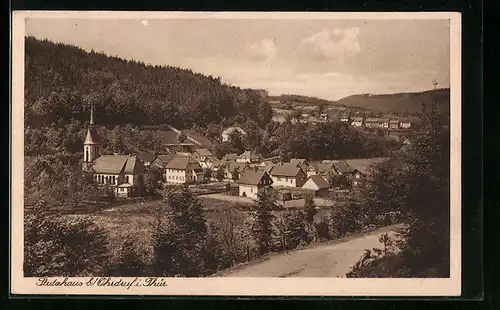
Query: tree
(207, 175)
(219, 175)
(294, 231)
(310, 212)
(181, 137)
(262, 216)
(129, 262)
(60, 246)
(179, 235)
(235, 174)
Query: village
(235, 178)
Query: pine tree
(262, 215)
(310, 212)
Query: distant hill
(405, 103)
(400, 103)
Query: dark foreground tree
(262, 228)
(61, 246)
(129, 262)
(179, 236)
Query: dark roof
(166, 158)
(394, 121)
(230, 166)
(358, 119)
(215, 161)
(251, 177)
(145, 156)
(364, 165)
(288, 170)
(203, 152)
(198, 138)
(181, 162)
(230, 156)
(297, 161)
(377, 119)
(116, 164)
(324, 167)
(319, 181)
(342, 166)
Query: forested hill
(408, 103)
(62, 81)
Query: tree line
(62, 81)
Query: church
(122, 173)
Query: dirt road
(327, 260)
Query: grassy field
(135, 221)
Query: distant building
(248, 157)
(183, 170)
(201, 154)
(230, 157)
(251, 182)
(145, 157)
(318, 184)
(231, 167)
(405, 123)
(288, 175)
(394, 124)
(161, 162)
(227, 132)
(323, 116)
(377, 122)
(344, 118)
(357, 122)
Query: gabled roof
(181, 162)
(249, 154)
(116, 164)
(394, 121)
(215, 161)
(324, 167)
(288, 170)
(364, 165)
(358, 119)
(251, 177)
(319, 181)
(377, 119)
(342, 166)
(230, 157)
(230, 166)
(297, 161)
(203, 152)
(145, 156)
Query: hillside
(62, 81)
(405, 103)
(400, 103)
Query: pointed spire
(92, 114)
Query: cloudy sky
(325, 58)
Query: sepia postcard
(236, 154)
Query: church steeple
(91, 144)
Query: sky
(324, 58)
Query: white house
(183, 169)
(227, 132)
(288, 175)
(251, 182)
(357, 122)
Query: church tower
(91, 144)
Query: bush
(56, 246)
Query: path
(327, 260)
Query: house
(248, 157)
(161, 162)
(211, 162)
(377, 122)
(323, 116)
(145, 157)
(230, 157)
(183, 170)
(120, 172)
(300, 161)
(361, 168)
(344, 118)
(230, 167)
(251, 182)
(311, 170)
(394, 124)
(318, 184)
(228, 131)
(288, 175)
(405, 123)
(341, 167)
(357, 122)
(201, 154)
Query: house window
(114, 180)
(251, 190)
(357, 176)
(280, 179)
(126, 179)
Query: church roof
(92, 137)
(116, 164)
